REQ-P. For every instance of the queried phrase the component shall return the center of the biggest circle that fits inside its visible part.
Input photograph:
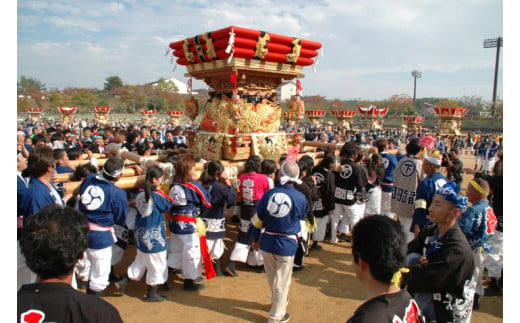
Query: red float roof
(372, 110)
(235, 41)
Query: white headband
(115, 173)
(285, 178)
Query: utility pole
(416, 75)
(492, 43)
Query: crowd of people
(416, 242)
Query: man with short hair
(408, 173)
(350, 188)
(440, 261)
(379, 252)
(63, 164)
(105, 205)
(279, 211)
(426, 190)
(478, 224)
(389, 162)
(454, 167)
(53, 240)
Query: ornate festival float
(344, 117)
(372, 117)
(101, 114)
(449, 119)
(413, 123)
(147, 116)
(315, 116)
(175, 116)
(66, 114)
(35, 114)
(243, 68)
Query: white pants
(479, 256)
(215, 248)
(374, 201)
(117, 254)
(154, 264)
(495, 259)
(100, 260)
(255, 258)
(278, 270)
(406, 223)
(386, 204)
(320, 232)
(240, 252)
(24, 274)
(478, 161)
(344, 218)
(488, 163)
(184, 254)
(83, 267)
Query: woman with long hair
(150, 236)
(215, 179)
(187, 240)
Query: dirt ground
(327, 290)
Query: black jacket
(448, 273)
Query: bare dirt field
(327, 290)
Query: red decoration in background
(189, 86)
(99, 109)
(234, 80)
(298, 87)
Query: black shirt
(394, 307)
(59, 302)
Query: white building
(287, 90)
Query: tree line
(164, 95)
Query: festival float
(147, 116)
(101, 114)
(413, 123)
(35, 114)
(66, 114)
(449, 119)
(243, 68)
(315, 115)
(344, 117)
(372, 116)
(175, 116)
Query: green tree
(315, 102)
(83, 98)
(132, 96)
(26, 83)
(59, 99)
(112, 82)
(167, 85)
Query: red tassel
(298, 87)
(234, 80)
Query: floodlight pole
(415, 74)
(492, 43)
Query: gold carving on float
(187, 51)
(293, 56)
(223, 114)
(261, 45)
(210, 48)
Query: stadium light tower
(492, 43)
(416, 75)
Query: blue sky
(369, 47)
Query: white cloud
(361, 40)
